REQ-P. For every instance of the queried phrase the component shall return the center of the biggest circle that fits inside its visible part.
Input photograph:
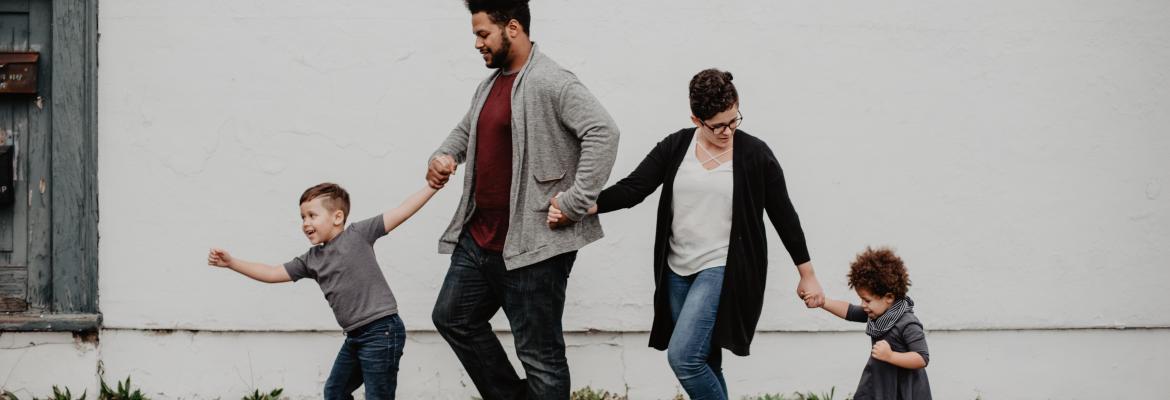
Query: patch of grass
(797, 396)
(57, 395)
(124, 392)
(256, 395)
(587, 393)
(766, 397)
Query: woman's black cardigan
(758, 186)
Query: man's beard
(500, 57)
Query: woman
(710, 250)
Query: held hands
(439, 170)
(881, 351)
(556, 218)
(219, 258)
(809, 290)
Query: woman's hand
(556, 218)
(809, 289)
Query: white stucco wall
(1077, 364)
(1015, 153)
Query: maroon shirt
(493, 167)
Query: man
(533, 130)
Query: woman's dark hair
(502, 11)
(879, 271)
(712, 93)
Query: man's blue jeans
(694, 303)
(369, 355)
(533, 297)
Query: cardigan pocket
(547, 185)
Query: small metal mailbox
(18, 73)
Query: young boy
(343, 264)
(897, 364)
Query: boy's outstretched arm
(261, 272)
(412, 204)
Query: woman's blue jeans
(694, 303)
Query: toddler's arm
(908, 360)
(836, 307)
(844, 310)
(261, 272)
(412, 204)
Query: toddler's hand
(219, 258)
(881, 351)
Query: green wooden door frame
(63, 266)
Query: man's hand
(439, 170)
(219, 258)
(881, 351)
(556, 218)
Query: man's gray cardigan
(562, 141)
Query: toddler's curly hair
(879, 271)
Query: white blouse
(702, 214)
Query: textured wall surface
(1015, 153)
(964, 365)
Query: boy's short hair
(335, 198)
(879, 271)
(502, 11)
(711, 92)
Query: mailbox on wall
(18, 73)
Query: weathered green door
(25, 123)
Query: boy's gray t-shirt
(349, 275)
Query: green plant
(796, 396)
(57, 395)
(813, 396)
(256, 395)
(766, 397)
(124, 392)
(587, 393)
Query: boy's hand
(881, 351)
(219, 258)
(440, 169)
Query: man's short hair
(880, 272)
(711, 93)
(334, 197)
(502, 11)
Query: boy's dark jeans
(369, 355)
(533, 298)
